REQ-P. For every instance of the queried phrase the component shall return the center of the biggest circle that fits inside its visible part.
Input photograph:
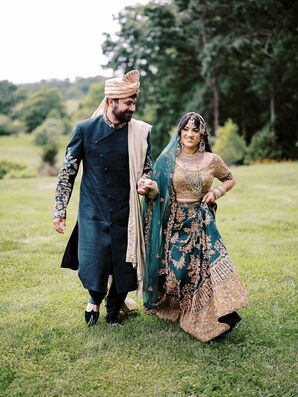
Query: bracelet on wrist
(219, 191)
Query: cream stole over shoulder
(137, 148)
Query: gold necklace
(191, 158)
(194, 178)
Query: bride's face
(190, 136)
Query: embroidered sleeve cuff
(59, 213)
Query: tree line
(46, 110)
(234, 60)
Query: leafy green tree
(73, 92)
(90, 102)
(151, 39)
(229, 144)
(8, 97)
(38, 105)
(224, 60)
(68, 89)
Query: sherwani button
(101, 155)
(106, 170)
(108, 183)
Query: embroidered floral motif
(147, 171)
(172, 284)
(168, 231)
(64, 185)
(179, 264)
(146, 221)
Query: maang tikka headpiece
(191, 122)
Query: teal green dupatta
(156, 214)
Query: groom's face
(124, 108)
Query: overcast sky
(43, 39)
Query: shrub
(48, 131)
(229, 144)
(18, 126)
(7, 167)
(7, 126)
(49, 153)
(263, 146)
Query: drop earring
(179, 148)
(202, 146)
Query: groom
(107, 240)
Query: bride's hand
(209, 198)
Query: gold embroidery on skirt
(220, 291)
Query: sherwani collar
(112, 125)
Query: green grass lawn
(47, 350)
(21, 149)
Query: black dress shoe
(91, 317)
(114, 321)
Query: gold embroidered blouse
(200, 178)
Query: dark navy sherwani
(98, 244)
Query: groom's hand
(141, 187)
(59, 225)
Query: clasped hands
(147, 186)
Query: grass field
(46, 349)
(21, 149)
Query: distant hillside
(69, 90)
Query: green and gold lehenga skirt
(198, 283)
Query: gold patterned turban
(123, 87)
